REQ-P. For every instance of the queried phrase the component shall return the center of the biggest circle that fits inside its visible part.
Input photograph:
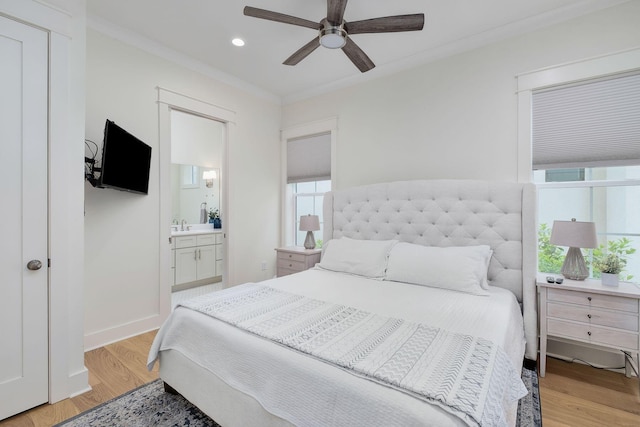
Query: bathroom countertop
(193, 231)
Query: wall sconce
(208, 177)
(309, 223)
(575, 235)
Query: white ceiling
(198, 34)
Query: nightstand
(605, 317)
(293, 259)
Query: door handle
(34, 264)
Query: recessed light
(237, 42)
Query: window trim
(576, 71)
(584, 184)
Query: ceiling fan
(334, 31)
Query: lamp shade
(309, 223)
(575, 234)
(209, 174)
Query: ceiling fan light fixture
(333, 37)
(334, 31)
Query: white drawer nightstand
(293, 259)
(605, 317)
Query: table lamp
(575, 235)
(309, 223)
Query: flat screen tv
(125, 161)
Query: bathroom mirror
(189, 190)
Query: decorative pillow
(366, 258)
(462, 269)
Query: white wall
(457, 117)
(454, 118)
(196, 140)
(122, 265)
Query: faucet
(182, 225)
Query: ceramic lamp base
(310, 241)
(574, 267)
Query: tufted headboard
(450, 213)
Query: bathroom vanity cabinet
(197, 257)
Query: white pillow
(366, 258)
(462, 269)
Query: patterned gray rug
(149, 405)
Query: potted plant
(214, 218)
(610, 266)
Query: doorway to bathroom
(194, 138)
(196, 226)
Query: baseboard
(118, 333)
(79, 383)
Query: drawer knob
(290, 265)
(589, 298)
(589, 333)
(290, 255)
(589, 316)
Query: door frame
(169, 100)
(66, 27)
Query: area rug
(149, 405)
(529, 406)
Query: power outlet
(263, 265)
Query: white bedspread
(306, 391)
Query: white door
(23, 218)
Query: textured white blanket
(469, 376)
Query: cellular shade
(309, 159)
(587, 124)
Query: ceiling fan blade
(357, 56)
(280, 17)
(387, 24)
(335, 11)
(303, 52)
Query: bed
(241, 374)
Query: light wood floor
(571, 394)
(113, 370)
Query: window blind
(309, 159)
(587, 124)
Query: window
(308, 178)
(608, 196)
(307, 200)
(586, 157)
(190, 176)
